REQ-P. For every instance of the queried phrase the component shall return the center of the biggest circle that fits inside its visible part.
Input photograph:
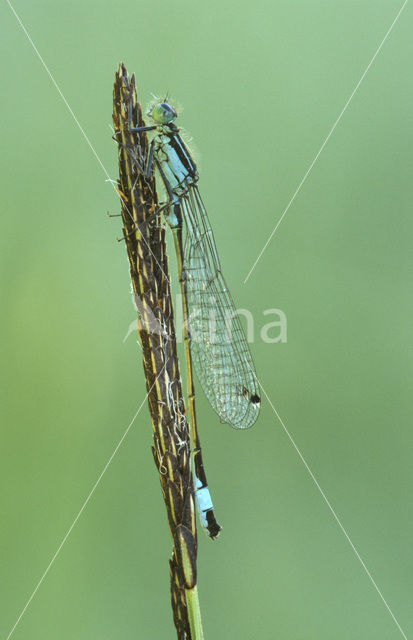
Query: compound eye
(162, 113)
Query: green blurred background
(262, 84)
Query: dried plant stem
(144, 237)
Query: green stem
(194, 614)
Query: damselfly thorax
(174, 161)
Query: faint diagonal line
(46, 68)
(83, 132)
(335, 516)
(69, 531)
(325, 142)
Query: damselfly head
(162, 113)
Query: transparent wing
(219, 349)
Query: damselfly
(214, 338)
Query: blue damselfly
(214, 340)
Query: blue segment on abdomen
(203, 500)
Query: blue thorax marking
(177, 165)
